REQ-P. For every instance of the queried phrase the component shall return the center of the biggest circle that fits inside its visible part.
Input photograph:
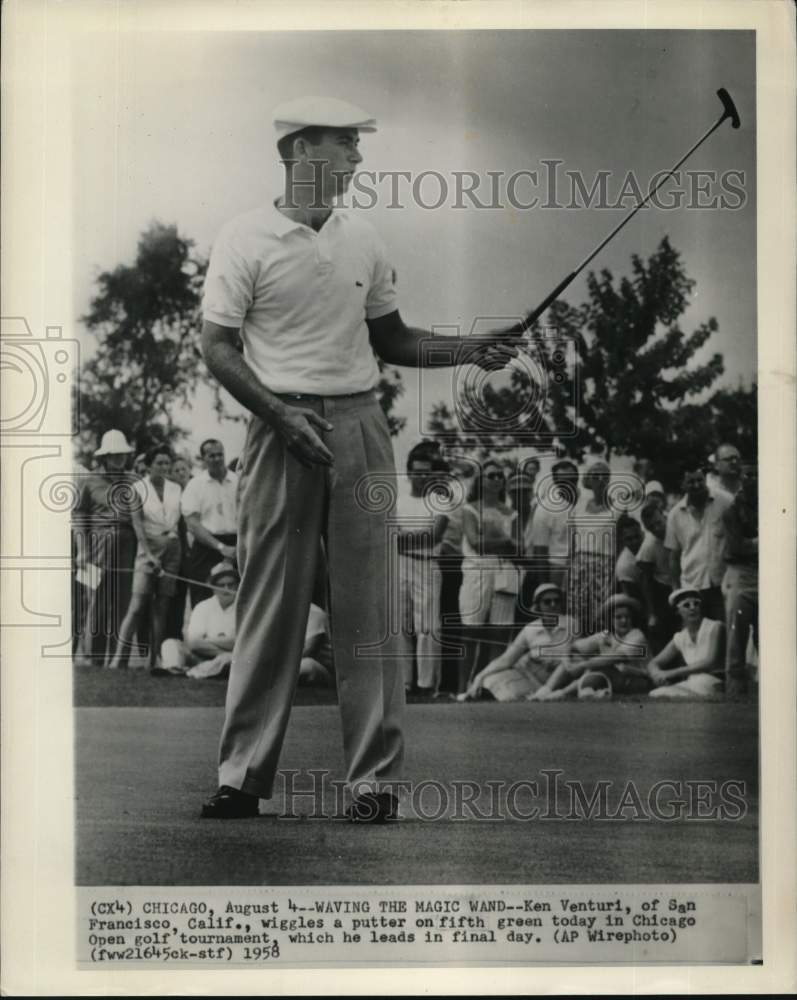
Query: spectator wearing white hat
(105, 546)
(210, 633)
(308, 289)
(692, 664)
(619, 654)
(528, 662)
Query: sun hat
(302, 112)
(113, 443)
(621, 601)
(678, 595)
(221, 570)
(544, 588)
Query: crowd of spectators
(508, 584)
(591, 585)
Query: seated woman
(699, 649)
(535, 652)
(610, 661)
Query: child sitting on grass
(611, 661)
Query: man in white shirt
(308, 288)
(553, 522)
(210, 633)
(421, 532)
(210, 511)
(696, 539)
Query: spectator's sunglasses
(548, 601)
(689, 603)
(494, 475)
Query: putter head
(730, 108)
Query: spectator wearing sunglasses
(692, 664)
(528, 662)
(490, 580)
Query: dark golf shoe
(229, 803)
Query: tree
(146, 317)
(631, 368)
(147, 321)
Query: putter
(728, 111)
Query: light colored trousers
(740, 590)
(285, 509)
(419, 596)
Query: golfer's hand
(228, 551)
(299, 428)
(154, 562)
(496, 350)
(653, 622)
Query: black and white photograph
(390, 430)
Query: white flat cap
(304, 111)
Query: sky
(176, 127)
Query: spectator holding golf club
(206, 650)
(158, 556)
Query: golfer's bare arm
(297, 425)
(398, 344)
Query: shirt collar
(209, 478)
(282, 225)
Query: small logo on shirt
(359, 284)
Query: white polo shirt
(214, 501)
(209, 620)
(301, 298)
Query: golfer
(308, 289)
